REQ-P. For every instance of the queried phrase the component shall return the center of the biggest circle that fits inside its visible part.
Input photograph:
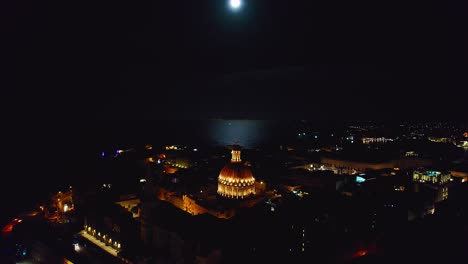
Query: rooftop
(430, 173)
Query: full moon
(235, 3)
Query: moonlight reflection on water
(247, 133)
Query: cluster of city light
(300, 193)
(411, 154)
(174, 147)
(104, 238)
(321, 167)
(177, 165)
(431, 177)
(439, 139)
(180, 166)
(369, 140)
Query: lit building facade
(435, 180)
(430, 176)
(130, 204)
(235, 179)
(370, 140)
(63, 201)
(440, 139)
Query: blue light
(432, 173)
(103, 154)
(360, 179)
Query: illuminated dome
(235, 179)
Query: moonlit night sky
(197, 59)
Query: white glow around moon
(235, 3)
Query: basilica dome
(236, 179)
